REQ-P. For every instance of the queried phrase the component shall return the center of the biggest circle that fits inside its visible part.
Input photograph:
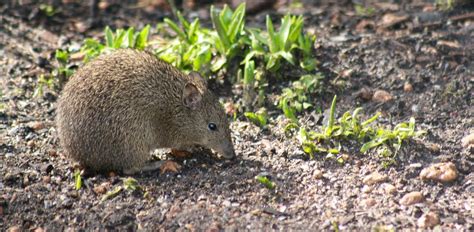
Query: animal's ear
(197, 78)
(191, 96)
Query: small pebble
(367, 189)
(407, 87)
(52, 153)
(390, 189)
(38, 229)
(36, 126)
(317, 174)
(14, 229)
(46, 179)
(30, 143)
(428, 220)
(374, 178)
(369, 202)
(441, 172)
(382, 96)
(412, 198)
(468, 140)
(100, 189)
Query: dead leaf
(169, 166)
(452, 44)
(180, 153)
(389, 20)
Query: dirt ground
(405, 45)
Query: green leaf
(370, 120)
(78, 179)
(219, 27)
(109, 37)
(249, 72)
(142, 38)
(287, 56)
(111, 194)
(218, 63)
(273, 39)
(182, 20)
(332, 115)
(237, 23)
(176, 29)
(266, 182)
(288, 111)
(284, 33)
(62, 56)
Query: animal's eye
(212, 126)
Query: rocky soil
(419, 56)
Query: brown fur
(119, 107)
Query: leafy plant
(77, 179)
(349, 127)
(48, 9)
(297, 98)
(130, 184)
(122, 38)
(258, 118)
(363, 10)
(229, 26)
(266, 182)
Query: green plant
(229, 26)
(364, 10)
(130, 184)
(266, 182)
(190, 49)
(279, 45)
(120, 39)
(259, 118)
(43, 81)
(77, 179)
(445, 4)
(297, 98)
(48, 9)
(349, 127)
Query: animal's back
(104, 115)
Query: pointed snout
(226, 150)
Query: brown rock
(46, 179)
(37, 125)
(468, 140)
(365, 93)
(38, 229)
(374, 178)
(408, 87)
(441, 172)
(52, 153)
(30, 143)
(100, 189)
(428, 220)
(369, 202)
(382, 96)
(411, 198)
(390, 189)
(317, 174)
(14, 229)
